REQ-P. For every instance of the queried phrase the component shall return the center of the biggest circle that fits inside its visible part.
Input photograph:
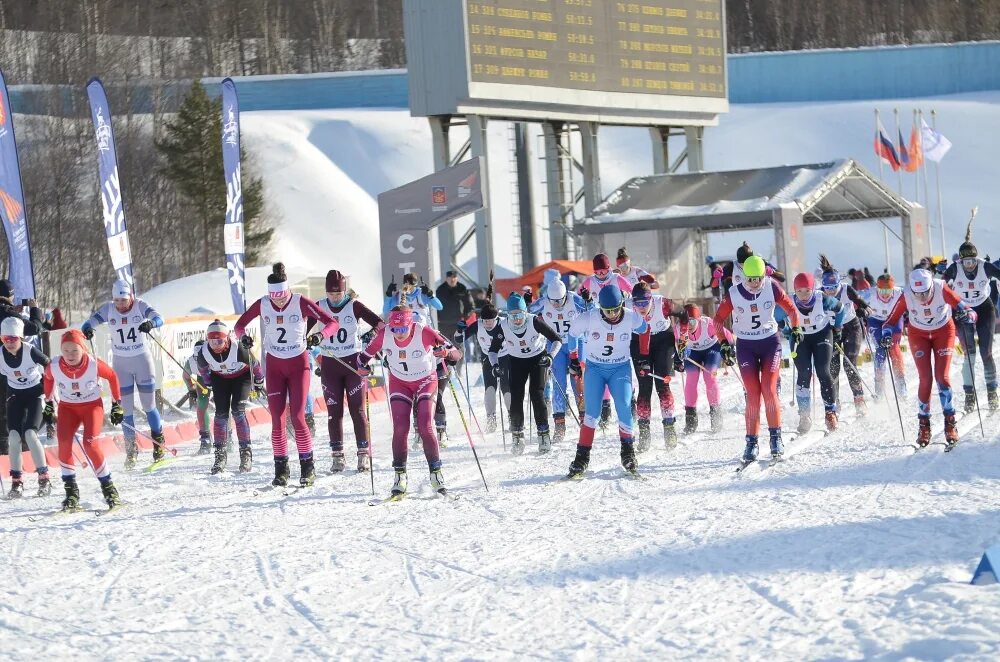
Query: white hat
(556, 290)
(121, 290)
(921, 280)
(12, 326)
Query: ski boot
(544, 441)
(399, 484)
(364, 461)
(950, 430)
(924, 431)
(559, 427)
(629, 462)
(690, 420)
(442, 435)
(246, 459)
(206, 444)
(16, 488)
(831, 421)
(159, 446)
(860, 407)
(805, 421)
(517, 442)
(715, 416)
(72, 500)
(337, 465)
(970, 401)
(110, 494)
(131, 454)
(311, 424)
(491, 423)
(220, 459)
(437, 482)
(750, 452)
(579, 464)
(44, 485)
(281, 472)
(605, 415)
(992, 401)
(669, 434)
(777, 447)
(643, 440)
(307, 471)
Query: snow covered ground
(855, 548)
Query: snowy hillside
(324, 169)
(854, 548)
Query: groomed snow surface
(856, 547)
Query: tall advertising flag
(233, 229)
(111, 193)
(12, 212)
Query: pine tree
(192, 146)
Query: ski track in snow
(854, 547)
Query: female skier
(654, 357)
(411, 351)
(341, 384)
(881, 300)
(285, 319)
(75, 376)
(228, 369)
(758, 348)
(702, 358)
(634, 275)
(485, 329)
(929, 304)
(23, 365)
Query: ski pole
(461, 415)
(179, 364)
(972, 370)
(895, 396)
(853, 368)
(565, 397)
(472, 412)
(172, 451)
(371, 459)
(793, 355)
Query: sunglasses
(885, 291)
(612, 311)
(755, 280)
(518, 317)
(10, 338)
(642, 303)
(399, 330)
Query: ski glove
(838, 337)
(117, 413)
(966, 315)
(313, 340)
(797, 335)
(585, 295)
(88, 333)
(886, 340)
(545, 360)
(146, 326)
(318, 371)
(682, 343)
(49, 413)
(246, 341)
(496, 370)
(426, 290)
(441, 352)
(644, 368)
(391, 290)
(678, 362)
(728, 354)
(575, 368)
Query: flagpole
(937, 181)
(881, 178)
(916, 177)
(923, 168)
(895, 114)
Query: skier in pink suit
(285, 317)
(412, 351)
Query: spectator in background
(456, 304)
(55, 321)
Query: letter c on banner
(405, 249)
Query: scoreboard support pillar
(479, 147)
(441, 147)
(556, 144)
(591, 166)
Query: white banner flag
(935, 145)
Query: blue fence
(825, 75)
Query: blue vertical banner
(233, 229)
(12, 212)
(112, 203)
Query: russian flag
(885, 149)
